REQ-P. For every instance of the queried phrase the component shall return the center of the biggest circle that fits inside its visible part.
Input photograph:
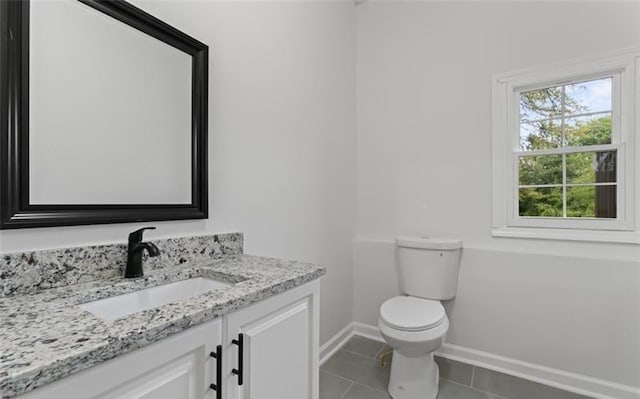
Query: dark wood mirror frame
(15, 210)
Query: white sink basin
(149, 298)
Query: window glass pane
(540, 135)
(540, 201)
(554, 116)
(540, 170)
(588, 130)
(591, 96)
(591, 201)
(567, 117)
(591, 167)
(541, 104)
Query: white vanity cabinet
(279, 358)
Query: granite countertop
(46, 336)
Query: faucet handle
(136, 236)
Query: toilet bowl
(414, 328)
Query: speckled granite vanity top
(45, 336)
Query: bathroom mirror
(104, 116)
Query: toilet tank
(428, 267)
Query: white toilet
(414, 325)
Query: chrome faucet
(135, 251)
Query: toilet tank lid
(429, 243)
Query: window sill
(618, 237)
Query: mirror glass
(110, 111)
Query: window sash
(616, 100)
(618, 223)
(513, 126)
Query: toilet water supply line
(384, 356)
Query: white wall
(424, 166)
(282, 139)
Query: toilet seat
(406, 313)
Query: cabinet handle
(218, 385)
(240, 343)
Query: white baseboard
(367, 331)
(567, 381)
(336, 342)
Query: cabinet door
(178, 378)
(280, 347)
(177, 367)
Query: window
(564, 150)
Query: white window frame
(624, 67)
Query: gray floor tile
(455, 371)
(359, 369)
(333, 387)
(517, 388)
(358, 391)
(363, 346)
(451, 390)
(353, 373)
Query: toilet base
(413, 377)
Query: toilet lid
(412, 314)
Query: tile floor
(354, 373)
